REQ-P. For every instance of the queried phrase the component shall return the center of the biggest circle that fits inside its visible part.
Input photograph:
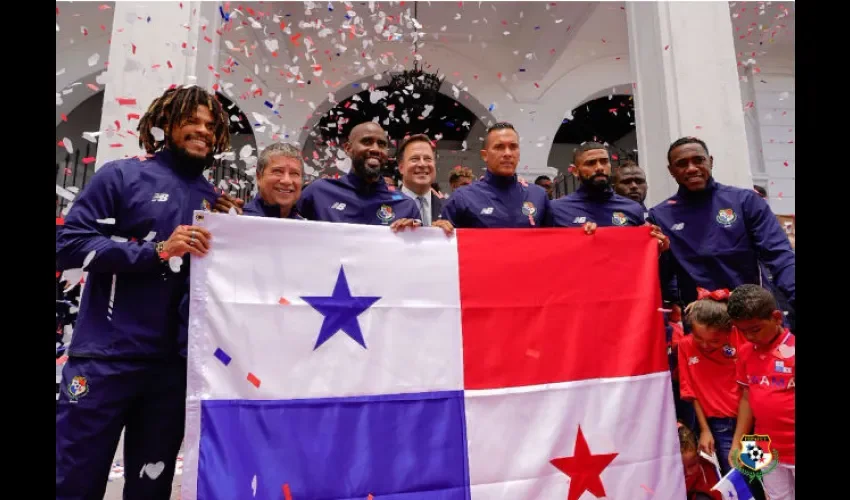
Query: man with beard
(630, 181)
(595, 203)
(361, 196)
(124, 371)
(719, 233)
(499, 200)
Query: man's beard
(597, 183)
(190, 165)
(365, 171)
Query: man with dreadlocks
(130, 228)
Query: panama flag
(336, 361)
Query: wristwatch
(160, 251)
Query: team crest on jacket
(619, 219)
(726, 216)
(528, 209)
(729, 351)
(205, 205)
(78, 387)
(385, 213)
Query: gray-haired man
(279, 181)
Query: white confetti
(93, 59)
(174, 263)
(110, 220)
(64, 193)
(72, 276)
(88, 259)
(232, 211)
(119, 239)
(271, 44)
(60, 72)
(158, 134)
(151, 235)
(246, 151)
(783, 96)
(91, 136)
(68, 146)
(254, 485)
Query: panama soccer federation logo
(528, 209)
(385, 213)
(756, 458)
(726, 216)
(78, 388)
(619, 219)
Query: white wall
(775, 106)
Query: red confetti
(60, 144)
(536, 85)
(61, 360)
(254, 380)
(294, 39)
(134, 47)
(116, 145)
(370, 497)
(117, 125)
(286, 493)
(785, 163)
(699, 127)
(126, 101)
(85, 32)
(208, 39)
(283, 302)
(68, 171)
(169, 64)
(64, 118)
(615, 157)
(666, 47)
(88, 159)
(93, 87)
(132, 116)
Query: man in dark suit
(417, 164)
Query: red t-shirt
(678, 335)
(702, 479)
(710, 377)
(769, 375)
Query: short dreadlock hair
(174, 108)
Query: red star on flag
(584, 469)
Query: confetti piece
(253, 481)
(158, 134)
(254, 380)
(126, 101)
(286, 493)
(88, 259)
(93, 59)
(174, 263)
(283, 302)
(370, 497)
(532, 353)
(61, 360)
(222, 356)
(68, 145)
(648, 490)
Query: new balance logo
(160, 197)
(579, 220)
(678, 227)
(338, 206)
(487, 211)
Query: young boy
(766, 369)
(707, 372)
(700, 475)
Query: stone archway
(458, 119)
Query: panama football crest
(528, 209)
(755, 457)
(78, 388)
(205, 205)
(726, 216)
(729, 351)
(385, 213)
(619, 219)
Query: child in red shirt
(707, 372)
(700, 475)
(766, 371)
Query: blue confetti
(269, 105)
(537, 27)
(522, 70)
(565, 121)
(149, 18)
(450, 124)
(222, 356)
(355, 85)
(492, 107)
(224, 15)
(330, 7)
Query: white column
(154, 45)
(683, 61)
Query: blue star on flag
(340, 311)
